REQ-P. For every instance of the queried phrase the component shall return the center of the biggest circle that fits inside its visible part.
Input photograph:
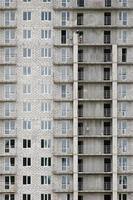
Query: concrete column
(75, 116)
(114, 120)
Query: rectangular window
(45, 71)
(46, 52)
(26, 70)
(80, 19)
(27, 53)
(9, 35)
(9, 17)
(9, 197)
(107, 18)
(27, 125)
(26, 88)
(10, 126)
(46, 161)
(64, 55)
(46, 89)
(46, 180)
(46, 107)
(45, 196)
(45, 34)
(122, 125)
(26, 161)
(124, 55)
(65, 3)
(26, 180)
(26, 16)
(26, 197)
(46, 143)
(27, 107)
(27, 34)
(65, 181)
(65, 18)
(26, 143)
(65, 163)
(46, 125)
(122, 163)
(46, 16)
(123, 17)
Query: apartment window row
(45, 89)
(28, 197)
(27, 107)
(27, 53)
(46, 161)
(45, 71)
(45, 125)
(46, 1)
(9, 197)
(45, 180)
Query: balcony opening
(80, 37)
(80, 165)
(80, 147)
(80, 55)
(80, 197)
(80, 19)
(107, 183)
(80, 128)
(80, 183)
(107, 146)
(80, 92)
(106, 74)
(107, 110)
(124, 54)
(107, 92)
(107, 55)
(107, 164)
(80, 110)
(68, 197)
(81, 74)
(107, 3)
(107, 128)
(107, 197)
(107, 18)
(80, 3)
(63, 36)
(107, 37)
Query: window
(107, 18)
(10, 54)
(27, 107)
(9, 91)
(122, 125)
(26, 143)
(65, 145)
(65, 127)
(123, 17)
(123, 108)
(46, 89)
(45, 34)
(47, 1)
(65, 109)
(45, 196)
(122, 73)
(26, 53)
(80, 19)
(46, 162)
(64, 55)
(122, 91)
(46, 143)
(124, 54)
(26, 16)
(123, 181)
(46, 52)
(65, 181)
(107, 37)
(9, 35)
(80, 3)
(9, 197)
(124, 3)
(65, 2)
(27, 124)
(122, 163)
(63, 91)
(46, 125)
(9, 163)
(26, 180)
(10, 126)
(9, 17)
(46, 16)
(46, 180)
(9, 109)
(26, 197)
(9, 144)
(107, 3)
(26, 70)
(65, 73)
(65, 163)
(26, 161)
(9, 180)
(123, 145)
(65, 18)
(27, 88)
(46, 71)
(26, 0)
(9, 73)
(122, 196)
(63, 36)
(27, 34)
(46, 107)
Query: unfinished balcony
(107, 147)
(107, 165)
(107, 183)
(107, 110)
(107, 55)
(107, 92)
(107, 37)
(107, 128)
(8, 4)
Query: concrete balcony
(58, 115)
(62, 170)
(8, 171)
(12, 188)
(12, 152)
(8, 5)
(62, 189)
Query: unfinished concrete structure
(66, 100)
